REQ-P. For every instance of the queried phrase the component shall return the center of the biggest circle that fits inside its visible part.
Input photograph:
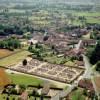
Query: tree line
(11, 44)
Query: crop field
(93, 20)
(4, 52)
(43, 19)
(16, 11)
(92, 17)
(4, 79)
(88, 14)
(14, 59)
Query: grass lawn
(14, 59)
(24, 79)
(87, 14)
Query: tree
(52, 47)
(39, 86)
(36, 45)
(80, 58)
(41, 97)
(13, 99)
(85, 91)
(11, 43)
(1, 44)
(24, 62)
(45, 38)
(82, 20)
(95, 56)
(22, 88)
(7, 98)
(34, 92)
(30, 48)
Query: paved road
(88, 67)
(89, 73)
(79, 45)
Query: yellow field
(14, 58)
(4, 52)
(4, 80)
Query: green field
(14, 59)
(24, 79)
(92, 17)
(88, 14)
(93, 20)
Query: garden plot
(55, 72)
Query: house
(38, 37)
(70, 53)
(17, 88)
(87, 84)
(33, 41)
(74, 52)
(24, 43)
(89, 42)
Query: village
(70, 73)
(49, 51)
